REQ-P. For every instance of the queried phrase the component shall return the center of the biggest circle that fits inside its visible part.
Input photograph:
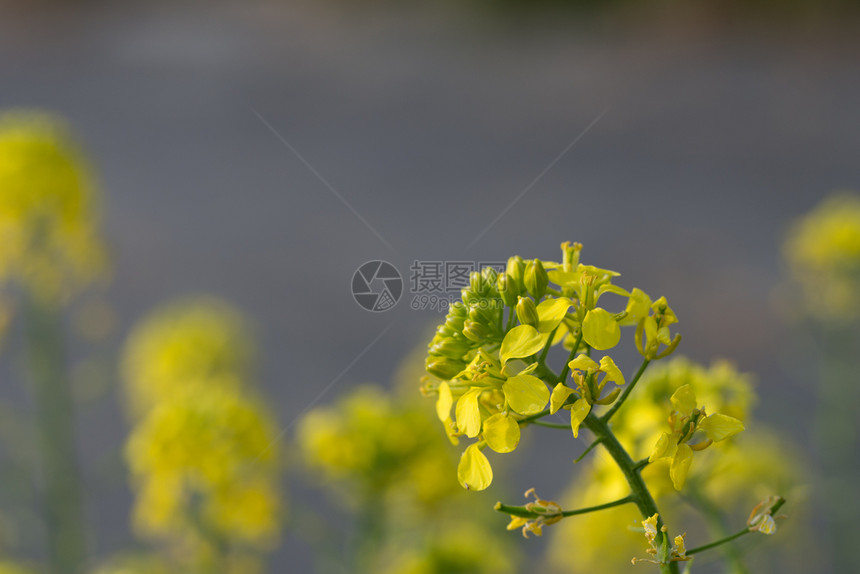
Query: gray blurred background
(429, 119)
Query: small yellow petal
(684, 400)
(660, 448)
(720, 427)
(559, 395)
(469, 414)
(681, 465)
(474, 471)
(526, 394)
(444, 402)
(502, 433)
(583, 362)
(578, 412)
(613, 373)
(600, 329)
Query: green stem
(639, 491)
(719, 542)
(605, 418)
(56, 434)
(587, 450)
(524, 512)
(714, 518)
(550, 425)
(566, 370)
(542, 358)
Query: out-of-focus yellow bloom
(823, 253)
(370, 441)
(206, 460)
(199, 342)
(12, 568)
(48, 220)
(462, 548)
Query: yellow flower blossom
(48, 208)
(686, 419)
(201, 341)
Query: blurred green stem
(55, 423)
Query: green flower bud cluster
(470, 323)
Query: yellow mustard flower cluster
(489, 370)
(48, 219)
(823, 253)
(202, 454)
(746, 469)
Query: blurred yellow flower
(823, 253)
(207, 459)
(199, 342)
(48, 219)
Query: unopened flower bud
(515, 270)
(527, 312)
(506, 290)
(475, 331)
(536, 279)
(476, 282)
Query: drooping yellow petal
(444, 402)
(684, 400)
(611, 370)
(600, 329)
(551, 312)
(578, 411)
(660, 448)
(469, 414)
(474, 471)
(501, 432)
(516, 522)
(526, 394)
(521, 341)
(583, 362)
(559, 395)
(720, 427)
(680, 465)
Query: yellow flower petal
(720, 427)
(521, 341)
(526, 394)
(660, 448)
(684, 400)
(583, 362)
(559, 395)
(600, 329)
(578, 412)
(474, 471)
(444, 402)
(680, 465)
(501, 432)
(611, 370)
(551, 312)
(468, 414)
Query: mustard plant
(490, 373)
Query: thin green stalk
(620, 401)
(719, 542)
(550, 425)
(524, 512)
(56, 434)
(588, 450)
(639, 491)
